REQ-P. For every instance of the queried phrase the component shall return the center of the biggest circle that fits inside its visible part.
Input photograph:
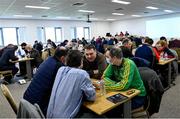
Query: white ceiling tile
(103, 8)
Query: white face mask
(108, 60)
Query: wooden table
(28, 65)
(101, 105)
(164, 62)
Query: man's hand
(96, 84)
(95, 71)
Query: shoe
(19, 75)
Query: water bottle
(102, 87)
(161, 57)
(166, 56)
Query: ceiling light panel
(120, 14)
(151, 7)
(93, 18)
(86, 11)
(110, 19)
(18, 15)
(121, 2)
(61, 17)
(134, 15)
(169, 11)
(37, 7)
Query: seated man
(127, 48)
(39, 90)
(94, 62)
(146, 52)
(122, 74)
(72, 85)
(33, 53)
(8, 55)
(22, 65)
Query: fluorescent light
(60, 17)
(37, 7)
(86, 11)
(93, 18)
(111, 19)
(134, 15)
(153, 8)
(169, 11)
(22, 15)
(121, 2)
(118, 14)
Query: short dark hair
(90, 46)
(23, 44)
(116, 52)
(163, 38)
(15, 47)
(148, 40)
(59, 52)
(125, 41)
(74, 58)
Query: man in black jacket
(5, 61)
(39, 90)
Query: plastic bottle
(161, 57)
(166, 56)
(102, 87)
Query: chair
(142, 112)
(27, 110)
(154, 89)
(9, 97)
(6, 73)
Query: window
(86, 33)
(58, 33)
(73, 33)
(21, 33)
(53, 33)
(9, 36)
(80, 32)
(14, 35)
(50, 33)
(1, 39)
(41, 34)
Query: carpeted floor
(169, 106)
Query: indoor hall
(35, 29)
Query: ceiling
(103, 9)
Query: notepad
(22, 81)
(116, 98)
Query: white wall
(97, 28)
(135, 26)
(140, 27)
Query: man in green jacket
(122, 74)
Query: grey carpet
(170, 105)
(17, 91)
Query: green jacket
(123, 77)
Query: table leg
(29, 69)
(169, 74)
(127, 109)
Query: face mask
(108, 60)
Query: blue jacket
(39, 90)
(145, 52)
